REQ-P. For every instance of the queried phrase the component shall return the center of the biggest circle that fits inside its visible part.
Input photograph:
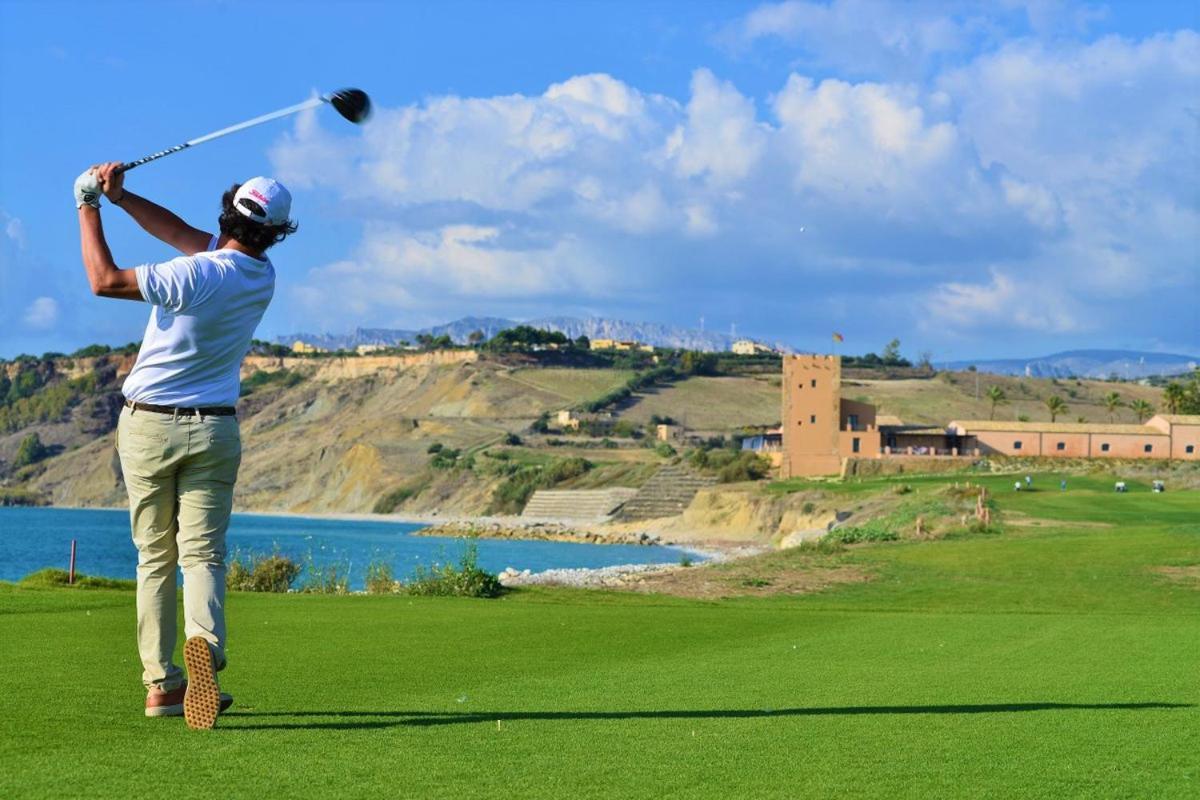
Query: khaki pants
(179, 472)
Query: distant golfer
(178, 436)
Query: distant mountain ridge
(1125, 364)
(573, 327)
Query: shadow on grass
(391, 719)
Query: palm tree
(1174, 396)
(1112, 401)
(998, 398)
(1141, 409)
(1056, 405)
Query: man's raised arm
(104, 276)
(154, 219)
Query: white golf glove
(87, 190)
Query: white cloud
(864, 37)
(867, 143)
(1001, 303)
(721, 138)
(14, 229)
(42, 313)
(1055, 181)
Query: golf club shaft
(283, 112)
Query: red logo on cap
(261, 199)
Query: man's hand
(87, 189)
(112, 181)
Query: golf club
(353, 104)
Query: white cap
(268, 193)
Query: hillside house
(620, 344)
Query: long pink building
(1163, 436)
(821, 430)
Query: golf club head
(353, 104)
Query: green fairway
(1056, 660)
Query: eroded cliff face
(741, 513)
(351, 431)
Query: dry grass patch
(1184, 576)
(788, 572)
(1019, 519)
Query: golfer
(178, 436)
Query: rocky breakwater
(616, 577)
(541, 531)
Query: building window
(814, 383)
(1017, 445)
(1191, 448)
(812, 418)
(1148, 448)
(853, 419)
(854, 444)
(1104, 447)
(1060, 446)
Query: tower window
(1191, 448)
(813, 419)
(1148, 448)
(1060, 446)
(1017, 445)
(1104, 447)
(854, 444)
(814, 383)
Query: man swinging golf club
(178, 436)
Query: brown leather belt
(211, 411)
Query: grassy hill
(1054, 659)
(952, 395)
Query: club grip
(152, 157)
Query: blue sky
(1008, 178)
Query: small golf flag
(837, 337)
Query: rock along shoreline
(539, 531)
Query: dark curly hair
(254, 235)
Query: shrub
(51, 577)
(250, 573)
(331, 578)
(874, 531)
(824, 545)
(436, 447)
(283, 378)
(566, 469)
(730, 466)
(512, 440)
(464, 579)
(30, 451)
(393, 499)
(747, 466)
(445, 458)
(379, 578)
(520, 484)
(808, 507)
(664, 450)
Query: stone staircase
(666, 494)
(592, 505)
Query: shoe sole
(202, 701)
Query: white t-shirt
(206, 307)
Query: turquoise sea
(34, 538)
